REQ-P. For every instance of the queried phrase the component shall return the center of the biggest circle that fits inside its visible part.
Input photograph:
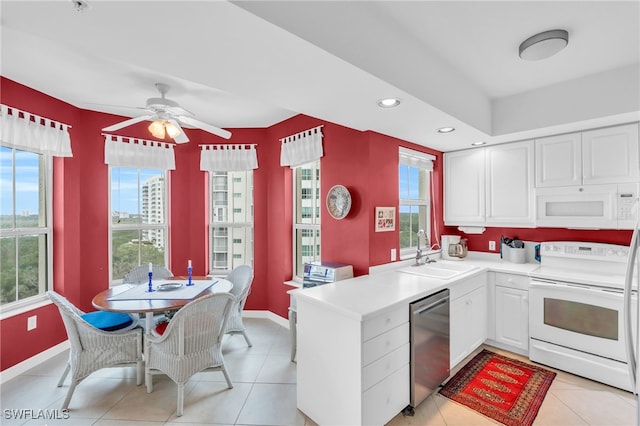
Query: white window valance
(30, 132)
(138, 153)
(418, 159)
(228, 158)
(301, 148)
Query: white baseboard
(28, 364)
(284, 322)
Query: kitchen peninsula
(353, 336)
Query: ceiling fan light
(172, 130)
(157, 129)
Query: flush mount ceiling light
(478, 143)
(388, 102)
(544, 45)
(446, 129)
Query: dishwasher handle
(431, 306)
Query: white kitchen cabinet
(468, 318)
(511, 319)
(509, 184)
(490, 186)
(559, 160)
(610, 155)
(600, 156)
(351, 371)
(464, 187)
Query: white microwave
(588, 206)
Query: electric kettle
(453, 247)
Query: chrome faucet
(419, 250)
(419, 254)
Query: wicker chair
(241, 277)
(92, 348)
(140, 274)
(190, 344)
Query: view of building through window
(138, 219)
(231, 220)
(306, 187)
(413, 197)
(25, 235)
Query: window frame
(229, 223)
(28, 303)
(140, 226)
(421, 162)
(314, 197)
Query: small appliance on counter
(453, 247)
(318, 273)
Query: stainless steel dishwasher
(429, 344)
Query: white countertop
(368, 295)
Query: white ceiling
(253, 64)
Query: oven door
(588, 319)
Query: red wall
(364, 162)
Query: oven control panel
(585, 250)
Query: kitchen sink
(439, 269)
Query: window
(25, 232)
(306, 227)
(138, 219)
(414, 197)
(231, 220)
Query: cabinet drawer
(384, 322)
(386, 399)
(384, 343)
(381, 368)
(467, 285)
(512, 281)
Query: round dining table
(104, 300)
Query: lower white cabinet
(468, 317)
(352, 372)
(511, 312)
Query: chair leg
(226, 377)
(244, 333)
(294, 337)
(64, 375)
(67, 399)
(139, 372)
(148, 380)
(180, 408)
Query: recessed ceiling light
(446, 129)
(543, 45)
(478, 143)
(388, 102)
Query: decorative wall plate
(338, 202)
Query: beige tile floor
(264, 393)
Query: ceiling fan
(167, 119)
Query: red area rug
(505, 389)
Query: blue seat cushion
(108, 321)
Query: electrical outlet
(393, 254)
(492, 245)
(32, 322)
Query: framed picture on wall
(385, 219)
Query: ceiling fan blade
(180, 137)
(204, 126)
(126, 123)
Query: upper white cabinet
(601, 156)
(559, 160)
(509, 184)
(610, 155)
(464, 189)
(490, 186)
